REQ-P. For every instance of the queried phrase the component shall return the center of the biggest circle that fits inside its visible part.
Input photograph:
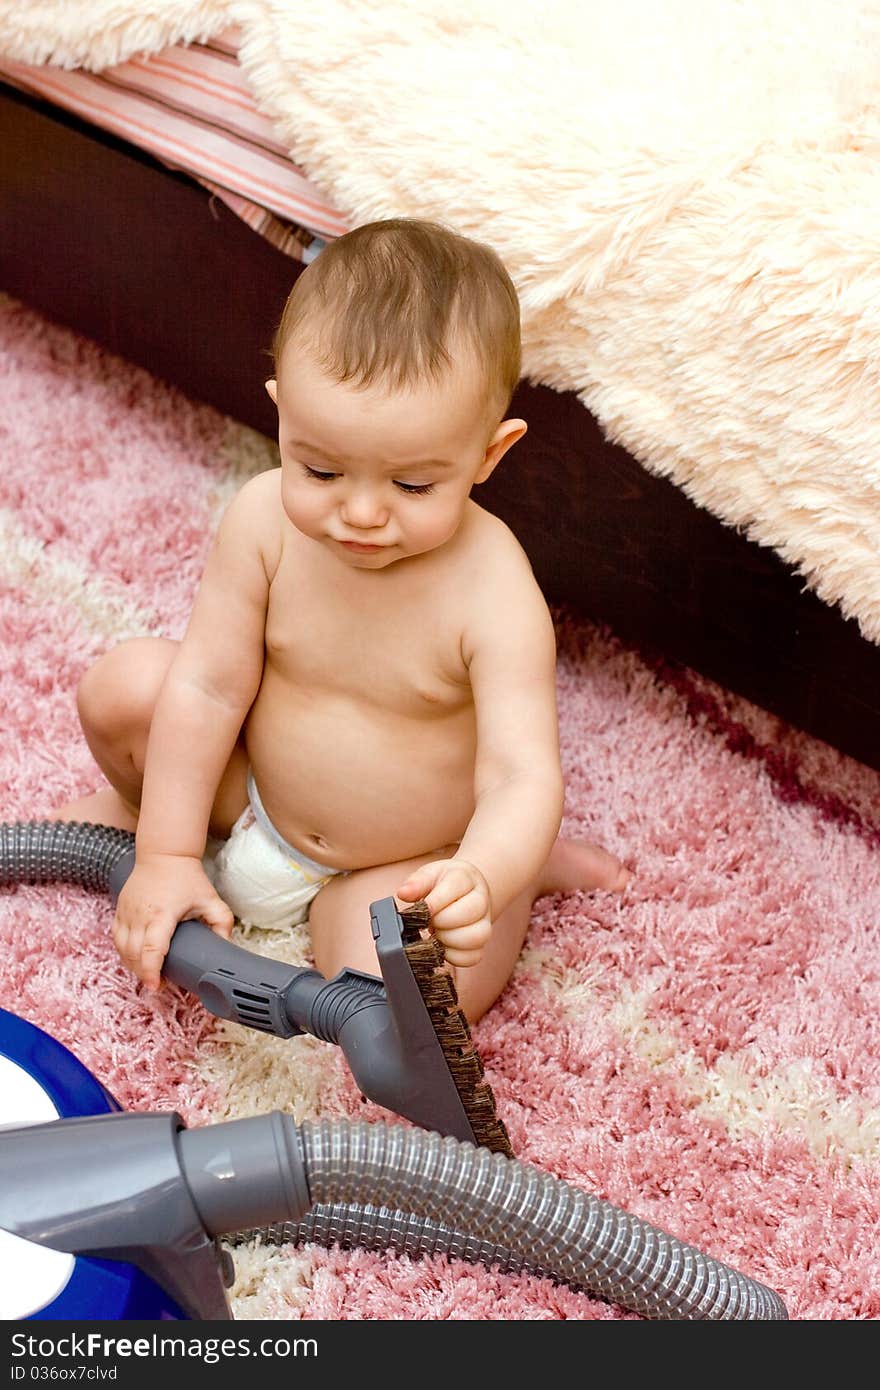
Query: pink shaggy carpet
(705, 1054)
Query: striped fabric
(295, 241)
(190, 106)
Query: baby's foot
(103, 807)
(580, 866)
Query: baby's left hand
(457, 897)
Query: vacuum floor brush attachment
(438, 1189)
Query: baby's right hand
(160, 891)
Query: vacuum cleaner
(137, 1211)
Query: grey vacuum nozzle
(382, 1027)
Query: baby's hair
(387, 301)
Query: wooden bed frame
(104, 239)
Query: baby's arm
(206, 695)
(510, 648)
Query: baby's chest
(405, 656)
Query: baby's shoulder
(495, 554)
(261, 492)
(500, 581)
(252, 520)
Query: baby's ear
(506, 435)
(272, 388)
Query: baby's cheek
(289, 501)
(439, 526)
(300, 511)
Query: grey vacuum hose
(392, 1187)
(542, 1224)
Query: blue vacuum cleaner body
(40, 1076)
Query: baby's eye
(318, 473)
(415, 487)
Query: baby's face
(377, 474)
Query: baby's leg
(580, 866)
(339, 924)
(116, 699)
(339, 917)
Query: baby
(364, 700)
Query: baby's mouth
(362, 547)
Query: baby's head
(396, 358)
(401, 303)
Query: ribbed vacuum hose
(61, 852)
(524, 1216)
(394, 1187)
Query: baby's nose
(365, 508)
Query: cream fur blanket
(687, 195)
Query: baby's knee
(121, 688)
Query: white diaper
(266, 881)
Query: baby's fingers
(127, 940)
(139, 950)
(142, 948)
(420, 882)
(153, 952)
(463, 912)
(458, 894)
(463, 947)
(216, 915)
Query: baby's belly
(352, 786)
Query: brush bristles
(427, 959)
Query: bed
(702, 467)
